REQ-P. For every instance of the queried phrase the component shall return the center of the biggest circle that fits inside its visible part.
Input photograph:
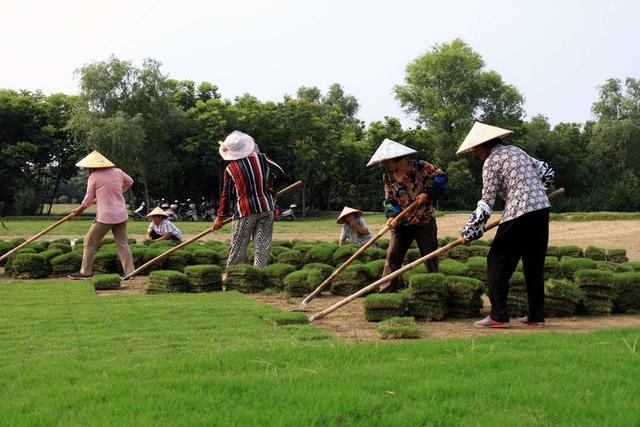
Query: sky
(555, 52)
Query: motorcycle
(285, 215)
(170, 209)
(141, 212)
(191, 212)
(206, 210)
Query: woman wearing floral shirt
(405, 181)
(521, 181)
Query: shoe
(525, 321)
(78, 276)
(488, 322)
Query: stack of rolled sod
(163, 281)
(245, 278)
(378, 307)
(204, 277)
(275, 274)
(352, 279)
(465, 296)
(517, 302)
(599, 291)
(627, 292)
(561, 297)
(428, 295)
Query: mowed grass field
(71, 358)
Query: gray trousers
(257, 227)
(92, 241)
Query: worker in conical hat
(354, 228)
(161, 228)
(406, 180)
(105, 187)
(523, 233)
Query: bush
(597, 254)
(106, 282)
(343, 253)
(29, 266)
(398, 327)
(292, 257)
(568, 266)
(452, 267)
(204, 277)
(599, 290)
(376, 268)
(286, 318)
(627, 291)
(561, 297)
(320, 253)
(26, 200)
(163, 281)
(617, 255)
(464, 296)
(66, 263)
(378, 307)
(275, 274)
(570, 251)
(352, 279)
(245, 278)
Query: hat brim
(341, 218)
(239, 154)
(378, 162)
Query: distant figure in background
(106, 187)
(161, 228)
(354, 228)
(247, 194)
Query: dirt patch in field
(349, 323)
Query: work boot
(488, 322)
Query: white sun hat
(346, 211)
(95, 160)
(479, 134)
(390, 150)
(237, 145)
(158, 211)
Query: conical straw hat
(157, 211)
(479, 134)
(95, 160)
(346, 211)
(389, 150)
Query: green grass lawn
(71, 358)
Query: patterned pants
(257, 227)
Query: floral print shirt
(422, 177)
(515, 176)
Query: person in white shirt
(161, 228)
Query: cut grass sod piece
(596, 254)
(204, 277)
(627, 292)
(163, 281)
(281, 318)
(202, 256)
(353, 278)
(66, 264)
(324, 269)
(293, 257)
(375, 268)
(599, 291)
(464, 296)
(321, 253)
(568, 266)
(561, 297)
(614, 266)
(105, 262)
(245, 278)
(477, 266)
(29, 266)
(343, 253)
(570, 251)
(106, 282)
(617, 255)
(428, 296)
(398, 328)
(452, 267)
(275, 274)
(378, 307)
(296, 284)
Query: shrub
(343, 253)
(105, 262)
(201, 256)
(29, 266)
(286, 318)
(245, 278)
(162, 281)
(106, 282)
(379, 307)
(66, 263)
(568, 266)
(452, 267)
(27, 200)
(398, 327)
(204, 277)
(352, 279)
(275, 274)
(320, 253)
(599, 290)
(570, 251)
(292, 257)
(627, 292)
(617, 255)
(597, 254)
(375, 269)
(561, 297)
(464, 296)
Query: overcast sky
(555, 52)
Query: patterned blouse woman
(521, 181)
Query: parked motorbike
(206, 210)
(285, 215)
(170, 209)
(141, 212)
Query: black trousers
(155, 236)
(425, 235)
(525, 237)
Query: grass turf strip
(70, 357)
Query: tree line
(165, 132)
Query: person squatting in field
(161, 228)
(354, 228)
(523, 232)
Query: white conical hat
(95, 160)
(158, 211)
(479, 134)
(346, 211)
(237, 145)
(389, 150)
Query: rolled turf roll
(627, 291)
(245, 278)
(553, 251)
(452, 267)
(106, 282)
(293, 257)
(398, 328)
(477, 268)
(324, 269)
(38, 246)
(153, 253)
(617, 255)
(614, 266)
(303, 247)
(163, 281)
(464, 298)
(343, 253)
(62, 246)
(320, 253)
(595, 253)
(277, 250)
(8, 263)
(570, 251)
(275, 274)
(29, 266)
(459, 253)
(568, 266)
(105, 262)
(178, 260)
(428, 296)
(551, 266)
(352, 279)
(66, 263)
(204, 256)
(599, 290)
(298, 283)
(204, 277)
(378, 307)
(375, 268)
(561, 297)
(478, 251)
(373, 253)
(283, 243)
